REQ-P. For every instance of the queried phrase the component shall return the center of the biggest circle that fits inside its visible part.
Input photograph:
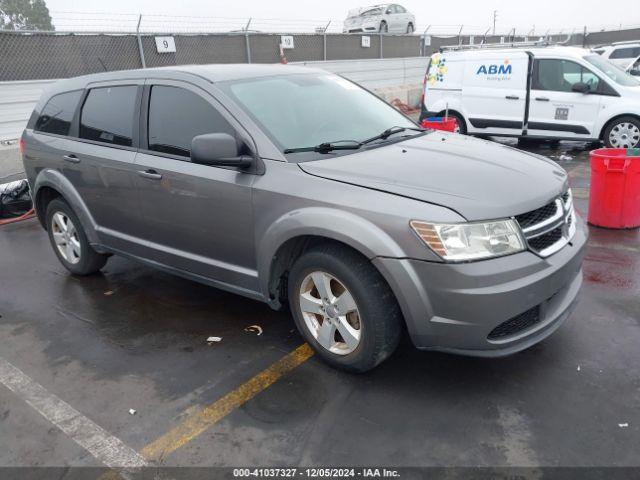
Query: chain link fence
(44, 55)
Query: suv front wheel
(69, 241)
(623, 132)
(344, 308)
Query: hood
(480, 180)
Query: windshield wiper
(390, 131)
(327, 147)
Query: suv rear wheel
(344, 308)
(69, 241)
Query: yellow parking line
(201, 420)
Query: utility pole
(495, 17)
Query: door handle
(71, 158)
(512, 97)
(542, 99)
(152, 174)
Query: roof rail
(626, 42)
(483, 46)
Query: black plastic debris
(15, 199)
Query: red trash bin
(614, 196)
(447, 124)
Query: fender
(617, 111)
(332, 223)
(54, 179)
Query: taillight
(21, 146)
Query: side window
(176, 116)
(400, 9)
(108, 115)
(627, 52)
(57, 114)
(562, 75)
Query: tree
(24, 15)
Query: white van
(550, 92)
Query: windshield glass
(372, 11)
(304, 110)
(612, 71)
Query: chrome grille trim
(563, 218)
(553, 219)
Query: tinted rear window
(57, 114)
(108, 115)
(176, 116)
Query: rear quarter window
(57, 114)
(108, 115)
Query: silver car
(387, 18)
(298, 188)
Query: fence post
(381, 37)
(248, 46)
(324, 41)
(140, 49)
(324, 45)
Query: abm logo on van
(504, 69)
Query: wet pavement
(135, 338)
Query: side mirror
(581, 87)
(218, 149)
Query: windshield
(308, 109)
(372, 11)
(612, 71)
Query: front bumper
(455, 307)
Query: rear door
(198, 218)
(99, 162)
(494, 92)
(558, 111)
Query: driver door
(198, 218)
(556, 110)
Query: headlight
(470, 241)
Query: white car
(387, 18)
(553, 92)
(623, 54)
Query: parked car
(386, 18)
(569, 94)
(623, 54)
(294, 186)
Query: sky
(476, 15)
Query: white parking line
(97, 441)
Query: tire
(377, 318)
(69, 241)
(623, 132)
(384, 28)
(462, 125)
(409, 29)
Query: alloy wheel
(66, 237)
(624, 135)
(330, 313)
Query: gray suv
(296, 187)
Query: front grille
(534, 217)
(549, 228)
(546, 240)
(516, 324)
